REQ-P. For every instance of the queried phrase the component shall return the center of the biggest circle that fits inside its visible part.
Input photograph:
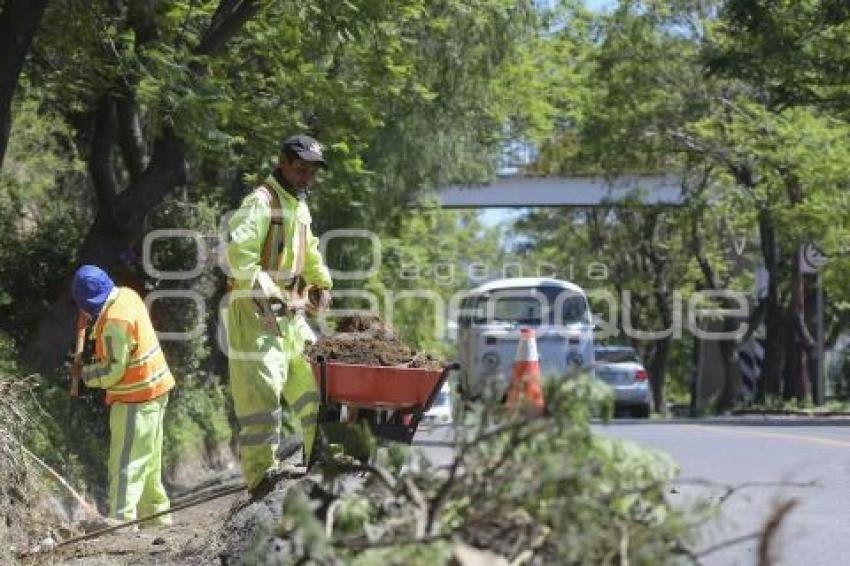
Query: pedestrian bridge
(518, 191)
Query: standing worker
(271, 250)
(132, 369)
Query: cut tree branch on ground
(89, 509)
(770, 532)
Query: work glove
(267, 288)
(268, 301)
(87, 357)
(318, 300)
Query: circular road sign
(812, 257)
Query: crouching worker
(131, 367)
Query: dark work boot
(273, 477)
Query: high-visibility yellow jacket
(271, 231)
(130, 364)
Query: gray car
(621, 368)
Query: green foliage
(41, 157)
(754, 137)
(435, 256)
(8, 365)
(72, 434)
(793, 51)
(547, 486)
(747, 101)
(195, 423)
(405, 95)
(195, 313)
(349, 439)
(42, 216)
(352, 515)
(399, 555)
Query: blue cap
(91, 288)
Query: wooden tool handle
(77, 365)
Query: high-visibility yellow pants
(135, 461)
(265, 367)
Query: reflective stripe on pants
(302, 396)
(135, 460)
(277, 370)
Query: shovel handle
(77, 364)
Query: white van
(489, 323)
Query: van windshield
(532, 306)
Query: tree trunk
(18, 23)
(774, 354)
(116, 228)
(800, 343)
(661, 351)
(732, 378)
(658, 373)
(120, 219)
(793, 371)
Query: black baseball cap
(305, 147)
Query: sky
(599, 4)
(494, 216)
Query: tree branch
(130, 136)
(228, 19)
(113, 232)
(166, 170)
(100, 160)
(771, 529)
(18, 23)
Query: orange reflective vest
(275, 243)
(147, 375)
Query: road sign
(811, 258)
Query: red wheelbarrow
(393, 399)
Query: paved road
(817, 532)
(771, 462)
(436, 443)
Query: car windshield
(528, 305)
(614, 356)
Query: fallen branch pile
(13, 491)
(519, 490)
(13, 420)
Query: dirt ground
(182, 543)
(226, 530)
(221, 530)
(369, 341)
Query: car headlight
(490, 361)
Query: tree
(405, 94)
(18, 23)
(794, 53)
(794, 60)
(122, 210)
(651, 106)
(617, 112)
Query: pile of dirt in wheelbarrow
(367, 340)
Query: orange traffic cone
(526, 387)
